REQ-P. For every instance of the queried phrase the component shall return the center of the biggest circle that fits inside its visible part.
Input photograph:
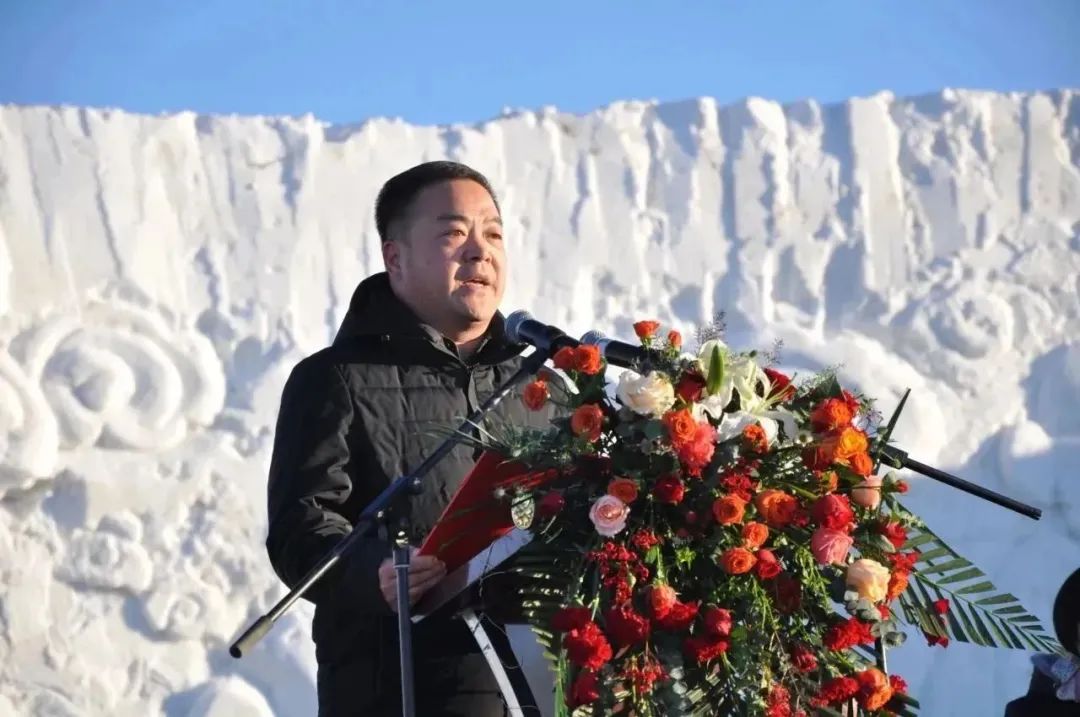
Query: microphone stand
(899, 459)
(392, 501)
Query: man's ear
(391, 254)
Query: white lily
(754, 408)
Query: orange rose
(829, 481)
(624, 489)
(862, 463)
(564, 359)
(646, 329)
(897, 584)
(587, 421)
(754, 535)
(681, 426)
(587, 359)
(535, 395)
(830, 415)
(754, 436)
(776, 507)
(874, 689)
(737, 561)
(729, 510)
(674, 338)
(847, 443)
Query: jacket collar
(375, 311)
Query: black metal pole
(899, 459)
(378, 508)
(401, 567)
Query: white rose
(649, 395)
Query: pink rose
(830, 547)
(870, 578)
(868, 493)
(609, 515)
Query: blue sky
(431, 62)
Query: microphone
(522, 328)
(618, 353)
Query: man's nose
(477, 247)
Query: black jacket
(1040, 701)
(353, 417)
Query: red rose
(894, 532)
(587, 421)
(646, 329)
(776, 507)
(834, 512)
(754, 535)
(819, 457)
(901, 486)
(691, 387)
(564, 359)
(551, 504)
(696, 454)
(767, 567)
(625, 626)
(669, 489)
(830, 415)
(703, 648)
(584, 691)
(737, 561)
(679, 616)
(941, 606)
(587, 647)
(874, 689)
(535, 395)
(661, 599)
(898, 683)
(587, 359)
(718, 621)
(803, 658)
(674, 339)
(729, 509)
(681, 426)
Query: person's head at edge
(1067, 614)
(442, 243)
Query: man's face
(447, 259)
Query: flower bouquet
(717, 538)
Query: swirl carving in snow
(104, 559)
(28, 433)
(120, 377)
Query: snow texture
(159, 277)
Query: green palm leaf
(978, 613)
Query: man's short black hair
(397, 195)
(1067, 612)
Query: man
(1054, 690)
(421, 346)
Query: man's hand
(424, 572)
